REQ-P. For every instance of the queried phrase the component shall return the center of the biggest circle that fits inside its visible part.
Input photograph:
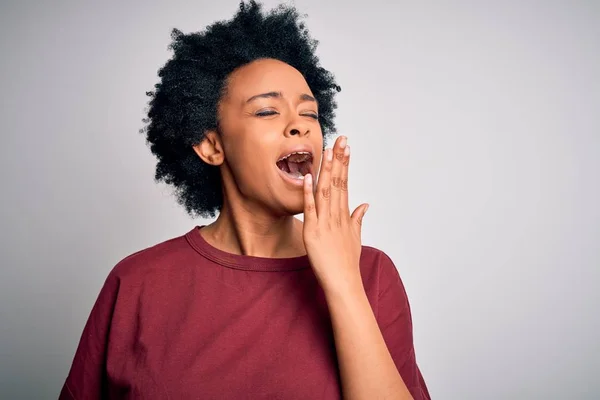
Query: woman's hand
(332, 236)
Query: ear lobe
(210, 149)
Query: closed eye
(266, 113)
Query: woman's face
(270, 135)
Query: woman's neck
(242, 231)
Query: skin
(257, 217)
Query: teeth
(295, 152)
(298, 175)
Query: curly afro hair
(183, 105)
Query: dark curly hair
(183, 105)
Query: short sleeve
(87, 378)
(395, 321)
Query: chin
(295, 210)
(291, 206)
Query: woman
(257, 304)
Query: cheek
(248, 162)
(318, 141)
(250, 157)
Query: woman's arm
(366, 367)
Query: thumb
(359, 213)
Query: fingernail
(308, 179)
(347, 151)
(329, 154)
(343, 142)
(366, 208)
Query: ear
(210, 149)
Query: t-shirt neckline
(243, 262)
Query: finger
(358, 214)
(344, 207)
(323, 194)
(336, 177)
(310, 211)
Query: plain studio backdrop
(475, 134)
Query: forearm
(367, 369)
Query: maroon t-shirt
(185, 320)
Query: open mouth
(296, 164)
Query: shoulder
(378, 269)
(372, 258)
(373, 254)
(155, 258)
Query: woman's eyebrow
(303, 97)
(307, 97)
(264, 96)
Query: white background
(475, 135)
